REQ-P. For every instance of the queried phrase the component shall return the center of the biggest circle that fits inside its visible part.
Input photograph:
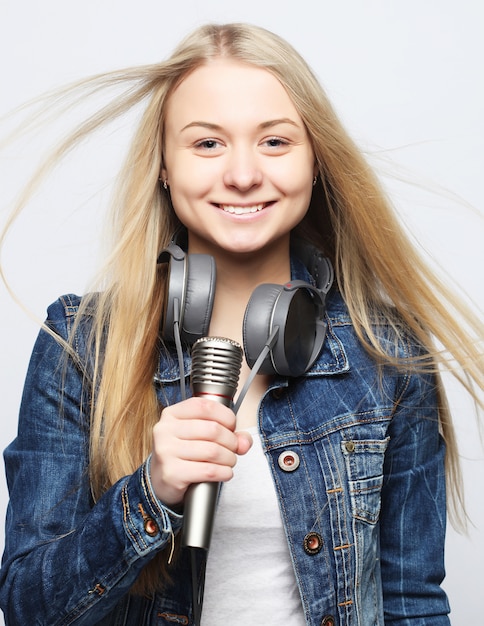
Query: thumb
(244, 441)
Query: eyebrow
(262, 125)
(282, 120)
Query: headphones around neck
(286, 320)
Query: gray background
(405, 77)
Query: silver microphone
(216, 364)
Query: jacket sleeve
(66, 559)
(413, 515)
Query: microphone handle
(199, 513)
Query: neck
(237, 277)
(245, 274)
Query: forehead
(229, 89)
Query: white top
(250, 578)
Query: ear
(163, 173)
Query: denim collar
(332, 358)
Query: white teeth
(242, 210)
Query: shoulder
(398, 361)
(70, 322)
(385, 325)
(403, 370)
(63, 310)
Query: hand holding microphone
(195, 441)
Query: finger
(194, 441)
(201, 473)
(205, 452)
(205, 430)
(201, 408)
(171, 432)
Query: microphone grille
(216, 360)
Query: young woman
(333, 507)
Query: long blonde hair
(349, 218)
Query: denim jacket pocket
(364, 467)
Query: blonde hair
(349, 218)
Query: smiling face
(237, 159)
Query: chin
(253, 246)
(240, 241)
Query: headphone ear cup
(294, 312)
(189, 296)
(199, 295)
(257, 325)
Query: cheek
(192, 178)
(188, 197)
(297, 185)
(295, 175)
(180, 201)
(187, 187)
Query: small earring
(165, 184)
(315, 180)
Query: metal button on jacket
(288, 461)
(350, 446)
(151, 527)
(313, 542)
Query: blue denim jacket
(357, 462)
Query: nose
(243, 169)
